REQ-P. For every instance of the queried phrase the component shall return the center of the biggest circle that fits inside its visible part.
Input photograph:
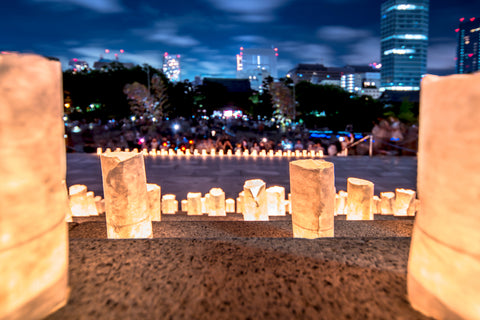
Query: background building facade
(171, 66)
(404, 42)
(468, 57)
(256, 65)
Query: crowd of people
(218, 134)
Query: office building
(316, 74)
(362, 80)
(171, 66)
(404, 42)
(468, 57)
(256, 65)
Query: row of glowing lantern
(220, 153)
(84, 203)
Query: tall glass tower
(404, 42)
(468, 51)
(257, 64)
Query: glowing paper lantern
(204, 205)
(212, 152)
(91, 207)
(78, 200)
(444, 262)
(240, 202)
(387, 201)
(168, 204)
(108, 150)
(404, 202)
(126, 199)
(229, 152)
(341, 203)
(220, 153)
(255, 201)
(184, 205)
(312, 183)
(33, 231)
(99, 151)
(217, 202)
(118, 150)
(194, 205)
(230, 205)
(100, 204)
(359, 199)
(276, 201)
(154, 192)
(376, 205)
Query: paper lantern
(168, 204)
(91, 207)
(240, 202)
(100, 205)
(78, 200)
(444, 263)
(359, 199)
(312, 183)
(33, 231)
(276, 201)
(194, 203)
(184, 205)
(404, 202)
(387, 201)
(230, 205)
(217, 202)
(154, 193)
(126, 199)
(376, 205)
(255, 201)
(341, 203)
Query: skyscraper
(404, 42)
(171, 66)
(468, 57)
(256, 65)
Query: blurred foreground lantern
(313, 198)
(33, 231)
(444, 264)
(359, 199)
(255, 201)
(126, 199)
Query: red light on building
(455, 58)
(276, 49)
(75, 59)
(472, 19)
(470, 55)
(241, 48)
(122, 51)
(456, 30)
(461, 19)
(178, 56)
(107, 51)
(276, 54)
(165, 54)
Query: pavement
(225, 268)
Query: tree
(146, 104)
(283, 102)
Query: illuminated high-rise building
(256, 65)
(404, 42)
(171, 66)
(468, 56)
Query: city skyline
(208, 33)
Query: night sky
(208, 33)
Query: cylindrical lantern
(194, 203)
(255, 201)
(444, 264)
(404, 202)
(91, 207)
(100, 204)
(276, 201)
(78, 200)
(184, 205)
(154, 192)
(168, 204)
(126, 199)
(230, 205)
(387, 202)
(312, 183)
(33, 231)
(341, 202)
(217, 202)
(359, 199)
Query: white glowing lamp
(168, 204)
(276, 201)
(230, 205)
(78, 200)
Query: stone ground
(224, 268)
